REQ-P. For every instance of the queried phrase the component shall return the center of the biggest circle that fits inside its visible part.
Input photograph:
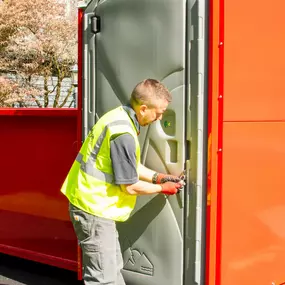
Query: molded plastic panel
(162, 242)
(142, 39)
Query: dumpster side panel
(254, 61)
(246, 205)
(38, 148)
(253, 209)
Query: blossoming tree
(37, 38)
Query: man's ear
(143, 109)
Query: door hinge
(95, 24)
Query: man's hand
(170, 188)
(159, 178)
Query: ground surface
(15, 271)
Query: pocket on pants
(106, 232)
(92, 261)
(82, 224)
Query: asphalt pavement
(16, 271)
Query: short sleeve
(123, 156)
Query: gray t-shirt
(123, 156)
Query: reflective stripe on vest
(88, 167)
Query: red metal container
(38, 146)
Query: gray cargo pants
(101, 252)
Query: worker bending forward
(106, 177)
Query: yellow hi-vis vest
(89, 184)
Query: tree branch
(69, 92)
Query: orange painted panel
(253, 204)
(254, 60)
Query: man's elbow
(128, 189)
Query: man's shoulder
(123, 139)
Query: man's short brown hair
(148, 91)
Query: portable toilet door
(125, 42)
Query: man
(106, 177)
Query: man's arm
(145, 173)
(123, 158)
(146, 188)
(149, 175)
(141, 188)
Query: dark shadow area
(134, 227)
(17, 271)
